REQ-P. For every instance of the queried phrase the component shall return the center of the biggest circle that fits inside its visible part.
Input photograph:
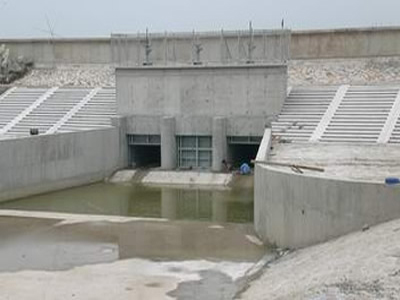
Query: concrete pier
(168, 143)
(219, 143)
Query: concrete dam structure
(198, 116)
(198, 99)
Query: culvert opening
(145, 156)
(144, 151)
(242, 150)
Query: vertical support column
(219, 143)
(168, 143)
(122, 124)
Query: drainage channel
(202, 241)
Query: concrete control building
(198, 116)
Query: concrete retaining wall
(297, 211)
(294, 210)
(40, 164)
(121, 49)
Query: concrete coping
(204, 66)
(312, 174)
(347, 30)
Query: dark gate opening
(145, 156)
(144, 151)
(242, 150)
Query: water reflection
(234, 205)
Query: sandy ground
(362, 265)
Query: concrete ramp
(344, 114)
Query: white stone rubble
(362, 71)
(379, 70)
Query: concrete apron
(58, 256)
(173, 178)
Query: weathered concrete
(122, 124)
(246, 95)
(122, 49)
(219, 144)
(187, 178)
(345, 43)
(168, 143)
(230, 47)
(71, 51)
(44, 163)
(297, 210)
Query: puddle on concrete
(37, 244)
(233, 205)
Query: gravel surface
(380, 70)
(363, 265)
(74, 76)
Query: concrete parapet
(168, 143)
(221, 47)
(219, 143)
(345, 43)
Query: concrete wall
(217, 47)
(248, 96)
(294, 210)
(44, 163)
(178, 48)
(345, 43)
(65, 51)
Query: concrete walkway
(363, 265)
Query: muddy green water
(234, 205)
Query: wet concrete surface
(212, 285)
(39, 244)
(65, 259)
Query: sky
(100, 18)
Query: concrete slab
(187, 178)
(123, 176)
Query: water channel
(230, 205)
(201, 238)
